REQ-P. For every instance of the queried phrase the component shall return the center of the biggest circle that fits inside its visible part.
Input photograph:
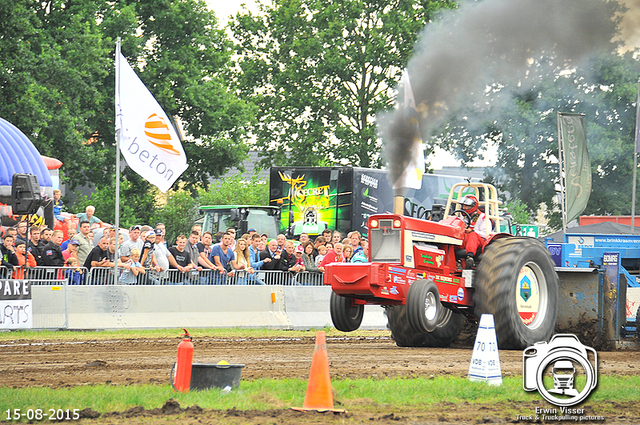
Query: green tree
(518, 211)
(52, 66)
(181, 209)
(320, 70)
(183, 44)
(104, 200)
(57, 77)
(523, 125)
(236, 190)
(178, 214)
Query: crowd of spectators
(146, 252)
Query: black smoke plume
(488, 42)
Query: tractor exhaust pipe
(398, 204)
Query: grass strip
(265, 394)
(66, 335)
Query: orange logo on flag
(157, 132)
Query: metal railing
(105, 276)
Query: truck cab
(218, 218)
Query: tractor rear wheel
(346, 315)
(442, 336)
(423, 306)
(517, 284)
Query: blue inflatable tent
(19, 155)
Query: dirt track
(132, 361)
(140, 361)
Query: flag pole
(561, 163)
(636, 149)
(117, 211)
(633, 195)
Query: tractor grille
(385, 243)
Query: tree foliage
(320, 70)
(136, 206)
(52, 68)
(57, 78)
(178, 209)
(236, 190)
(522, 123)
(178, 214)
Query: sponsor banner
(16, 308)
(148, 141)
(577, 164)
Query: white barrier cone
(485, 360)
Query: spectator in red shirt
(333, 256)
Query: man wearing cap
(147, 259)
(70, 234)
(85, 244)
(298, 251)
(164, 258)
(160, 227)
(25, 260)
(71, 251)
(134, 242)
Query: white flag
(148, 141)
(411, 177)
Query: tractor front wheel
(517, 284)
(346, 315)
(423, 306)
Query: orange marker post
(319, 396)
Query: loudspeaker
(25, 194)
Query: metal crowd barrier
(212, 277)
(47, 275)
(105, 276)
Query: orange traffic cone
(319, 396)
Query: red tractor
(417, 271)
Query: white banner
(148, 141)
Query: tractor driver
(476, 231)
